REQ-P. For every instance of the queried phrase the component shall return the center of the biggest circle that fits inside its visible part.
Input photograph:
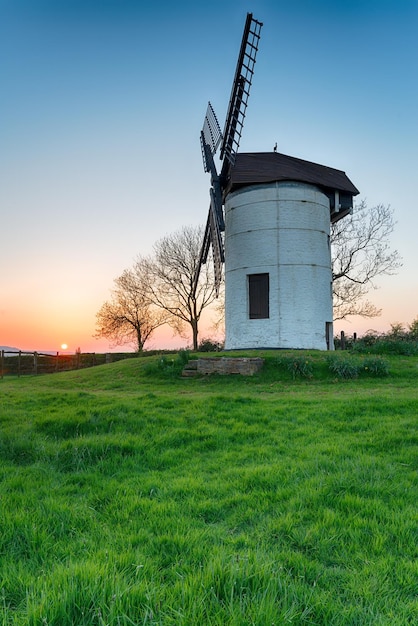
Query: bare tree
(171, 270)
(129, 317)
(360, 252)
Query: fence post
(1, 364)
(35, 362)
(342, 340)
(19, 363)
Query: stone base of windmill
(223, 365)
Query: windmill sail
(241, 89)
(212, 237)
(210, 139)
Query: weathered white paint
(281, 229)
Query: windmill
(269, 223)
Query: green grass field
(132, 496)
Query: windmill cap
(251, 168)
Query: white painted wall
(282, 229)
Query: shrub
(183, 357)
(343, 368)
(298, 366)
(397, 340)
(369, 339)
(168, 365)
(210, 345)
(165, 364)
(413, 330)
(375, 367)
(385, 345)
(366, 343)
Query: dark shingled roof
(252, 168)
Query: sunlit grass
(131, 496)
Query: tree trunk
(195, 334)
(140, 343)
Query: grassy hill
(132, 496)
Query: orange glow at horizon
(40, 325)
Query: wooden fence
(21, 363)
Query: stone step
(191, 365)
(190, 369)
(189, 373)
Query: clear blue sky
(101, 106)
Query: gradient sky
(101, 106)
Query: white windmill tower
(269, 222)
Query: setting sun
(64, 346)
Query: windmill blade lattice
(241, 89)
(211, 136)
